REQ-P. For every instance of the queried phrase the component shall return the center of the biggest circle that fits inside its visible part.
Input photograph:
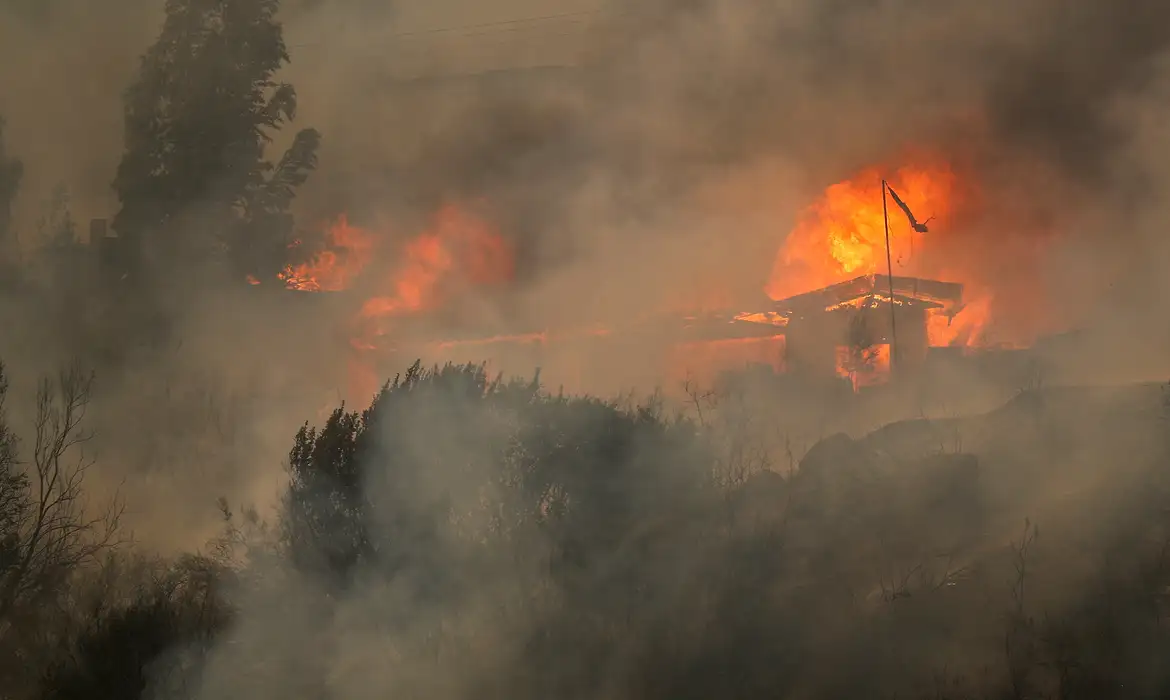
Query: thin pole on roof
(890, 269)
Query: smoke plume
(638, 155)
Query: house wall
(814, 341)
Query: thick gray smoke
(628, 113)
(648, 154)
(681, 128)
(641, 154)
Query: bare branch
(56, 532)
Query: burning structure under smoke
(831, 306)
(455, 252)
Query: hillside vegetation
(470, 537)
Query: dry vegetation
(470, 537)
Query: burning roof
(946, 297)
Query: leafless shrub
(928, 575)
(732, 423)
(51, 532)
(1020, 639)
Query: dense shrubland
(469, 536)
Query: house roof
(914, 291)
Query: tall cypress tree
(193, 183)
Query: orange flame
(843, 235)
(864, 367)
(840, 237)
(966, 329)
(348, 251)
(457, 248)
(980, 239)
(456, 245)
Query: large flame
(457, 250)
(456, 246)
(843, 235)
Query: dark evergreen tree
(193, 182)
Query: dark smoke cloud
(1053, 96)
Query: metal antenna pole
(890, 269)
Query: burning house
(864, 328)
(855, 294)
(853, 330)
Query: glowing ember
(770, 318)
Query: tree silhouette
(585, 549)
(378, 489)
(151, 645)
(46, 530)
(355, 497)
(193, 182)
(49, 530)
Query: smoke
(66, 64)
(675, 148)
(654, 155)
(612, 122)
(640, 156)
